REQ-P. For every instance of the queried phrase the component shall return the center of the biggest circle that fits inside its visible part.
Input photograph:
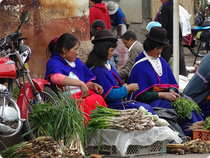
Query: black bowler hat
(158, 34)
(104, 35)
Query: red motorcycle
(14, 69)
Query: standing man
(165, 17)
(117, 18)
(98, 11)
(134, 48)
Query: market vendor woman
(114, 92)
(66, 71)
(157, 84)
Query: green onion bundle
(10, 152)
(63, 122)
(125, 120)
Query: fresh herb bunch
(207, 124)
(184, 107)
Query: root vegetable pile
(40, 147)
(194, 146)
(197, 125)
(201, 125)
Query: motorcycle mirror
(24, 17)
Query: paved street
(189, 58)
(181, 156)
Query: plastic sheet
(122, 139)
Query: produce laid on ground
(196, 145)
(63, 122)
(184, 107)
(193, 146)
(41, 147)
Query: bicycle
(195, 45)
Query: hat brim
(115, 10)
(105, 39)
(157, 40)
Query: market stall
(116, 131)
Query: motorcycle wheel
(48, 95)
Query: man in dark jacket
(165, 17)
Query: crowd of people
(149, 79)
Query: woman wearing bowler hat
(157, 84)
(107, 76)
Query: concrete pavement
(181, 156)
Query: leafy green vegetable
(184, 107)
(207, 124)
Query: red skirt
(89, 103)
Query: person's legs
(167, 52)
(182, 66)
(123, 29)
(113, 28)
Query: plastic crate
(157, 148)
(203, 135)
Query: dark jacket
(166, 19)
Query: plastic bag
(184, 20)
(161, 122)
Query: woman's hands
(84, 89)
(96, 87)
(170, 96)
(68, 81)
(132, 88)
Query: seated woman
(107, 76)
(157, 83)
(198, 87)
(68, 72)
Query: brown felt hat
(104, 35)
(158, 34)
